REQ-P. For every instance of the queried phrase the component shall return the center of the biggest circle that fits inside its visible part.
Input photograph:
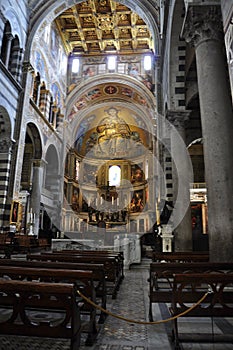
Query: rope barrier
(143, 322)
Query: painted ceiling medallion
(110, 90)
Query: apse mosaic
(111, 132)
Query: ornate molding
(202, 23)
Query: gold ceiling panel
(103, 26)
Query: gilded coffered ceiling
(97, 27)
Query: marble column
(181, 180)
(37, 179)
(8, 49)
(203, 29)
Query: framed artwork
(14, 212)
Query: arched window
(6, 44)
(15, 58)
(114, 175)
(11, 53)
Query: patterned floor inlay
(32, 343)
(129, 304)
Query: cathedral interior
(116, 121)
(113, 115)
(111, 118)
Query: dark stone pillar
(203, 29)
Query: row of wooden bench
(113, 263)
(183, 284)
(183, 256)
(51, 286)
(15, 243)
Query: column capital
(9, 36)
(178, 118)
(202, 23)
(5, 144)
(27, 67)
(37, 163)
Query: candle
(117, 201)
(112, 200)
(101, 200)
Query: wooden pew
(118, 255)
(188, 289)
(23, 297)
(83, 280)
(180, 256)
(110, 263)
(21, 243)
(43, 243)
(6, 244)
(161, 278)
(98, 275)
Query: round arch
(5, 123)
(14, 21)
(52, 166)
(44, 13)
(34, 134)
(126, 81)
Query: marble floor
(116, 334)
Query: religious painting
(137, 174)
(147, 81)
(134, 69)
(89, 71)
(113, 134)
(89, 173)
(137, 204)
(75, 199)
(94, 94)
(54, 42)
(56, 94)
(82, 102)
(39, 64)
(14, 214)
(84, 126)
(127, 92)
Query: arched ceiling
(95, 27)
(112, 91)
